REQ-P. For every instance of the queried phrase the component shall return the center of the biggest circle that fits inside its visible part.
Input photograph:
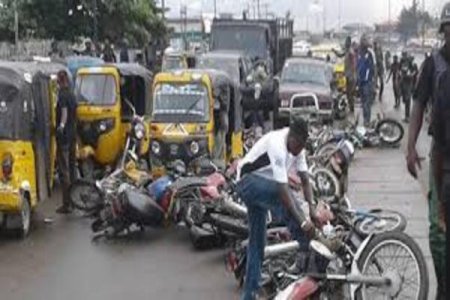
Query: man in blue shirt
(366, 72)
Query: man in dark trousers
(380, 68)
(65, 137)
(366, 76)
(408, 75)
(124, 57)
(394, 72)
(433, 85)
(108, 53)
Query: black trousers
(66, 160)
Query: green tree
(409, 21)
(136, 20)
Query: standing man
(380, 68)
(366, 74)
(65, 137)
(263, 185)
(395, 73)
(433, 86)
(407, 77)
(108, 53)
(350, 71)
(124, 57)
(387, 60)
(88, 51)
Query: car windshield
(229, 66)
(304, 73)
(251, 40)
(96, 89)
(172, 63)
(181, 103)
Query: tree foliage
(411, 20)
(136, 20)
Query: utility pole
(339, 13)
(16, 26)
(389, 22)
(183, 17)
(163, 7)
(266, 9)
(324, 16)
(258, 5)
(95, 23)
(215, 8)
(423, 23)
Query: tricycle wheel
(20, 223)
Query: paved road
(59, 261)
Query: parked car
(235, 63)
(301, 48)
(305, 88)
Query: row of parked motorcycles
(374, 259)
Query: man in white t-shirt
(263, 185)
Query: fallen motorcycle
(89, 196)
(282, 253)
(155, 205)
(388, 265)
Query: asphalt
(59, 260)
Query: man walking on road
(380, 68)
(395, 74)
(366, 74)
(350, 71)
(65, 120)
(408, 75)
(434, 85)
(263, 184)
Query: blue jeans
(260, 195)
(366, 91)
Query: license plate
(173, 149)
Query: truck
(268, 43)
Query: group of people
(365, 72)
(404, 74)
(107, 53)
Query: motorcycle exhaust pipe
(234, 208)
(282, 248)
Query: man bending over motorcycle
(263, 185)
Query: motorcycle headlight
(105, 125)
(156, 148)
(139, 131)
(194, 147)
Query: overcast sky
(367, 11)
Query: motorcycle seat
(186, 182)
(141, 202)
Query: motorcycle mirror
(321, 249)
(249, 79)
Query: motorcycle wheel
(86, 196)
(326, 184)
(326, 149)
(230, 224)
(377, 259)
(390, 131)
(380, 220)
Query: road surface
(59, 261)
